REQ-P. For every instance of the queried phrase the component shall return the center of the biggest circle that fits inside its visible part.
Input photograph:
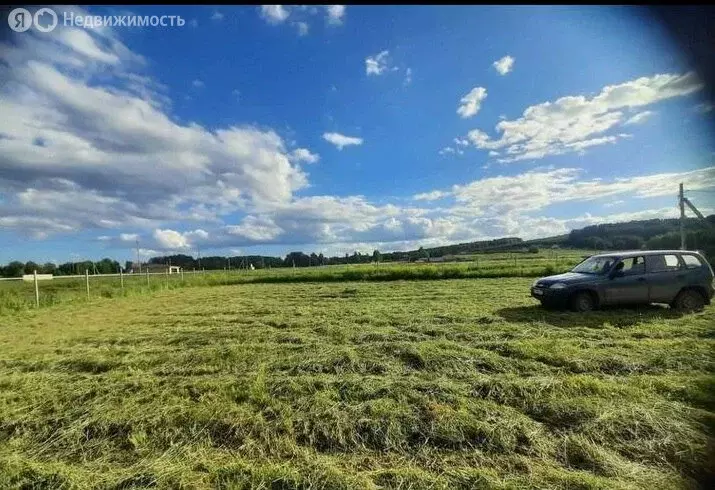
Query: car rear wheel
(583, 301)
(689, 300)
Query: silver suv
(681, 278)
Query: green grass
(407, 384)
(18, 295)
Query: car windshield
(595, 265)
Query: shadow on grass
(619, 317)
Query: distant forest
(648, 234)
(653, 233)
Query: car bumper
(550, 295)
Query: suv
(681, 278)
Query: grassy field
(407, 384)
(18, 295)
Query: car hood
(566, 278)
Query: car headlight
(558, 285)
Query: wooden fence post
(147, 276)
(121, 279)
(167, 278)
(86, 280)
(37, 292)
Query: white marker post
(86, 279)
(37, 292)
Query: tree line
(17, 268)
(301, 259)
(649, 234)
(646, 234)
(292, 259)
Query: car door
(665, 277)
(629, 285)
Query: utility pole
(681, 201)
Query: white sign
(40, 277)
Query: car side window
(691, 261)
(662, 263)
(633, 266)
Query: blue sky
(278, 128)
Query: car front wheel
(582, 302)
(549, 305)
(688, 301)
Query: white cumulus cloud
(513, 205)
(430, 196)
(274, 14)
(335, 13)
(573, 123)
(300, 14)
(304, 155)
(303, 28)
(377, 64)
(170, 239)
(504, 65)
(97, 148)
(472, 102)
(341, 141)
